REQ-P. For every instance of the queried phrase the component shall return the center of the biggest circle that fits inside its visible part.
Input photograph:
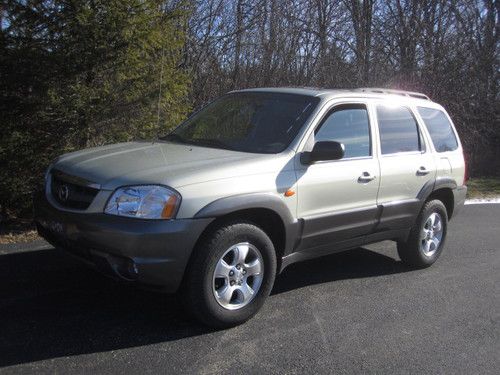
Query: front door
(337, 199)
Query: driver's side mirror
(323, 151)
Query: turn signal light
(169, 208)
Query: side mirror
(322, 151)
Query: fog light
(126, 268)
(123, 267)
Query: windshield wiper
(174, 138)
(210, 143)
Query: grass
(16, 230)
(483, 188)
(19, 237)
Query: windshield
(248, 122)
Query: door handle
(422, 171)
(366, 177)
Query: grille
(70, 194)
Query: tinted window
(250, 122)
(350, 126)
(439, 128)
(398, 130)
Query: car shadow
(51, 306)
(352, 264)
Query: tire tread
(193, 288)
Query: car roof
(363, 92)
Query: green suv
(253, 182)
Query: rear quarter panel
(450, 164)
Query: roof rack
(394, 92)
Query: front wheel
(230, 275)
(426, 240)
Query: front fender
(228, 205)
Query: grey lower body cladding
(151, 252)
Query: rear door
(406, 165)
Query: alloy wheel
(238, 276)
(431, 234)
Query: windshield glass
(248, 122)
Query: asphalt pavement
(360, 311)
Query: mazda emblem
(63, 193)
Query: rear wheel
(426, 240)
(230, 275)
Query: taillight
(466, 170)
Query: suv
(253, 182)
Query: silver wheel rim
(238, 276)
(431, 234)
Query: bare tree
(446, 48)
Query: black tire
(197, 291)
(411, 252)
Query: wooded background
(80, 73)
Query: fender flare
(435, 184)
(227, 205)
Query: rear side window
(398, 130)
(439, 128)
(347, 124)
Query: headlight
(144, 201)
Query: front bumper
(151, 252)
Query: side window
(398, 130)
(439, 128)
(347, 124)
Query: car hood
(165, 163)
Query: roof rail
(394, 92)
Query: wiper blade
(211, 143)
(174, 137)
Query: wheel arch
(445, 195)
(441, 189)
(267, 211)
